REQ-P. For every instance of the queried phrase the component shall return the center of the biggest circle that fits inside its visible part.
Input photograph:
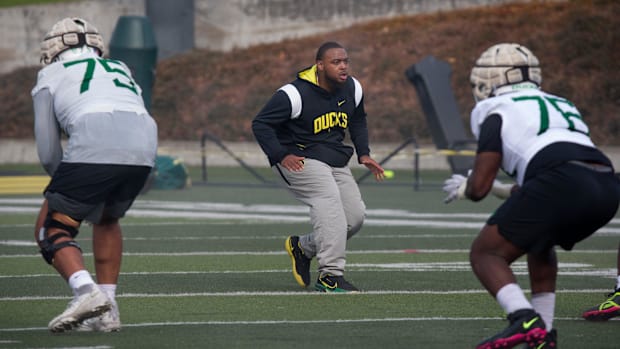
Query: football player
(565, 188)
(111, 148)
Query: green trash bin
(133, 42)
(170, 173)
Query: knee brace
(68, 228)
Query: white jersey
(96, 102)
(531, 120)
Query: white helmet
(70, 33)
(504, 65)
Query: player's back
(90, 84)
(531, 120)
(97, 103)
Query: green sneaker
(334, 284)
(301, 263)
(606, 310)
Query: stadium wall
(218, 24)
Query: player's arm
(358, 130)
(47, 131)
(480, 181)
(488, 159)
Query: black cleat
(606, 310)
(334, 284)
(526, 326)
(301, 263)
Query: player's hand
(501, 190)
(293, 163)
(455, 187)
(373, 166)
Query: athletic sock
(81, 282)
(109, 290)
(544, 304)
(511, 298)
(617, 283)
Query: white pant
(336, 210)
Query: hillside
(577, 42)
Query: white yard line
(20, 205)
(420, 267)
(287, 322)
(304, 293)
(274, 253)
(235, 213)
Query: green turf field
(205, 267)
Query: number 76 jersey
(531, 120)
(90, 84)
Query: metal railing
(203, 154)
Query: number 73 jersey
(531, 120)
(90, 84)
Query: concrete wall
(218, 24)
(226, 24)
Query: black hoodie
(304, 119)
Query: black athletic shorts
(86, 191)
(559, 206)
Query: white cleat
(107, 322)
(84, 307)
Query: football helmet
(503, 65)
(71, 33)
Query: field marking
(368, 236)
(265, 219)
(293, 322)
(522, 270)
(270, 218)
(242, 208)
(265, 214)
(279, 213)
(31, 243)
(519, 267)
(275, 253)
(474, 228)
(304, 293)
(263, 208)
(252, 214)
